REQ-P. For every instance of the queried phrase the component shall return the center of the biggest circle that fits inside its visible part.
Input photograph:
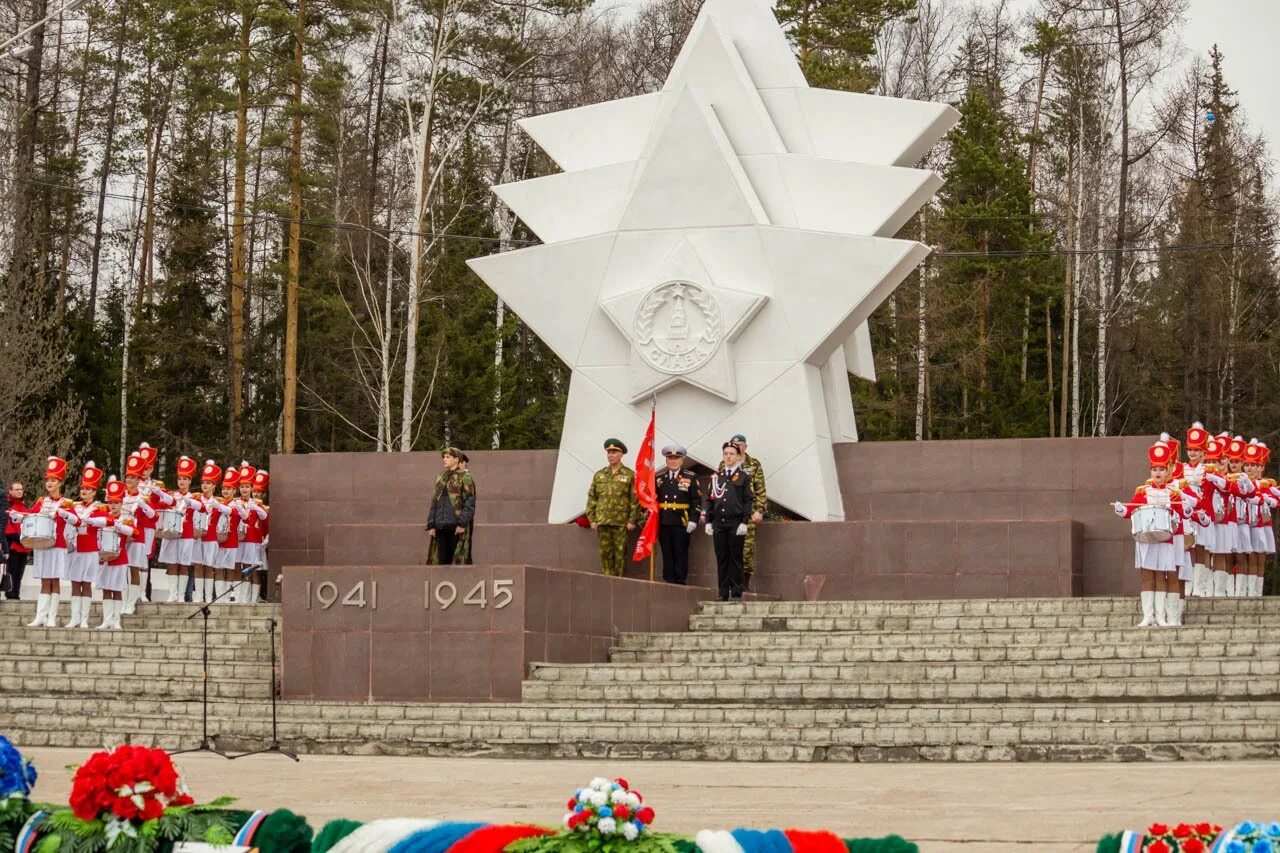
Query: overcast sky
(1248, 34)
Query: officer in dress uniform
(726, 513)
(613, 508)
(678, 494)
(752, 467)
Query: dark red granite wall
(925, 519)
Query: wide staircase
(969, 680)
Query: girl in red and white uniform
(249, 555)
(1181, 549)
(1260, 503)
(113, 574)
(1157, 561)
(206, 546)
(229, 546)
(137, 506)
(1239, 489)
(260, 484)
(1193, 481)
(154, 493)
(178, 555)
(1231, 488)
(82, 566)
(49, 565)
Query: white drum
(38, 532)
(108, 544)
(170, 524)
(1151, 524)
(224, 527)
(200, 524)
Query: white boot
(1148, 609)
(1162, 616)
(255, 591)
(42, 610)
(1220, 583)
(1173, 608)
(1230, 591)
(1197, 580)
(173, 588)
(131, 593)
(73, 620)
(106, 614)
(219, 588)
(51, 615)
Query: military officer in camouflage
(760, 502)
(613, 508)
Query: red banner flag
(647, 493)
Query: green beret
(614, 444)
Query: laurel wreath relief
(701, 298)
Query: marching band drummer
(82, 566)
(261, 482)
(1193, 480)
(225, 567)
(1157, 560)
(249, 555)
(206, 553)
(178, 554)
(1259, 515)
(154, 493)
(1181, 550)
(137, 506)
(49, 565)
(1234, 539)
(113, 574)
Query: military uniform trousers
(613, 548)
(749, 550)
(729, 562)
(674, 541)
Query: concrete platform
(946, 808)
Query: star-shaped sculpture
(718, 246)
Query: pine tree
(835, 39)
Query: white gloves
(709, 530)
(742, 530)
(1119, 507)
(692, 526)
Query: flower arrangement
(608, 808)
(17, 778)
(1182, 838)
(131, 800)
(1250, 837)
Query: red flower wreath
(131, 783)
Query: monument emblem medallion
(678, 327)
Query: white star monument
(718, 247)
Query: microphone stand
(206, 743)
(274, 746)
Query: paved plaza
(951, 808)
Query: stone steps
(782, 692)
(979, 607)
(991, 638)
(148, 668)
(1264, 670)
(225, 682)
(940, 732)
(788, 656)
(701, 622)
(1040, 679)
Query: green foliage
(333, 832)
(888, 844)
(836, 39)
(1109, 843)
(569, 841)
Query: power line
(251, 217)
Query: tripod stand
(206, 744)
(274, 746)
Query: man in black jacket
(726, 514)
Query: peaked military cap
(614, 444)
